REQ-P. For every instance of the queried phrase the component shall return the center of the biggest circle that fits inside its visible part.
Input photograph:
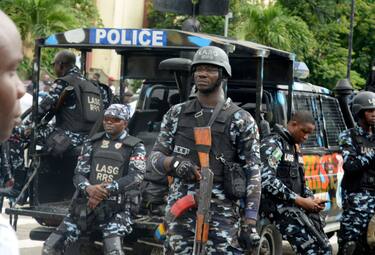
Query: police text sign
(131, 37)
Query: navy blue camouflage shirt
(354, 160)
(272, 152)
(51, 100)
(244, 136)
(136, 169)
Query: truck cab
(262, 83)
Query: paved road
(29, 247)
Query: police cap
(119, 111)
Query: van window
(329, 122)
(334, 120)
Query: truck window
(333, 118)
(329, 122)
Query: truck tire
(270, 241)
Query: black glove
(249, 238)
(183, 168)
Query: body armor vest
(110, 159)
(184, 139)
(89, 106)
(365, 180)
(290, 168)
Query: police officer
(235, 138)
(285, 198)
(111, 164)
(74, 101)
(358, 185)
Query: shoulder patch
(275, 157)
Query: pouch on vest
(133, 200)
(57, 142)
(234, 179)
(294, 172)
(91, 102)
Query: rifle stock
(202, 136)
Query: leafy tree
(273, 27)
(329, 22)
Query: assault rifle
(202, 137)
(305, 221)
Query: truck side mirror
(175, 65)
(181, 70)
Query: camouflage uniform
(358, 204)
(280, 196)
(45, 106)
(20, 140)
(120, 223)
(225, 216)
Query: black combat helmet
(363, 101)
(213, 56)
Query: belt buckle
(198, 114)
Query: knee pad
(54, 245)
(113, 246)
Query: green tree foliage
(273, 27)
(329, 22)
(316, 30)
(39, 18)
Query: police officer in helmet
(235, 139)
(358, 185)
(111, 165)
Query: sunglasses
(112, 119)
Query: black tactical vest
(290, 168)
(110, 159)
(184, 139)
(89, 106)
(365, 180)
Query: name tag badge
(289, 157)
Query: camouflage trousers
(302, 241)
(70, 231)
(223, 231)
(358, 210)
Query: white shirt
(26, 102)
(8, 239)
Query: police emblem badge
(118, 145)
(105, 144)
(275, 157)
